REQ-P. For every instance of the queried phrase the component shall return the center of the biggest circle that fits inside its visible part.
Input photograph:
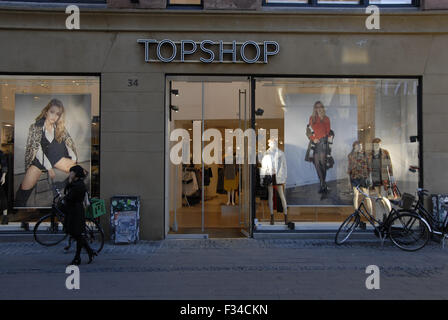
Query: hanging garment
(207, 175)
(220, 184)
(189, 183)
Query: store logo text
(208, 51)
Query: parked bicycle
(50, 229)
(407, 230)
(437, 227)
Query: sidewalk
(226, 269)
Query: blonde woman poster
(52, 133)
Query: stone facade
(232, 4)
(137, 4)
(435, 5)
(133, 118)
(207, 4)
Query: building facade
(265, 66)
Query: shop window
(48, 123)
(58, 2)
(341, 2)
(185, 2)
(391, 2)
(335, 134)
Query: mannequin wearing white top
(274, 163)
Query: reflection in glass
(49, 123)
(319, 121)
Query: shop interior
(211, 198)
(359, 109)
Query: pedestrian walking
(75, 192)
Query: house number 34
(132, 82)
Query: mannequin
(358, 172)
(380, 167)
(3, 198)
(273, 174)
(230, 182)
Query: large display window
(49, 123)
(334, 134)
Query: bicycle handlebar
(58, 194)
(365, 194)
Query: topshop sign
(208, 51)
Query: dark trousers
(81, 242)
(319, 159)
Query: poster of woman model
(319, 127)
(52, 133)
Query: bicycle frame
(382, 225)
(427, 217)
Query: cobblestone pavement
(226, 269)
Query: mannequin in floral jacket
(380, 169)
(358, 172)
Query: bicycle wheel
(347, 228)
(408, 231)
(94, 235)
(49, 230)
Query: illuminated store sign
(208, 51)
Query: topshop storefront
(226, 124)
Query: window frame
(361, 4)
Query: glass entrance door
(205, 195)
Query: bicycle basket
(407, 200)
(97, 208)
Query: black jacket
(74, 207)
(3, 163)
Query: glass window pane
(48, 123)
(286, 1)
(338, 1)
(390, 1)
(189, 2)
(335, 134)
